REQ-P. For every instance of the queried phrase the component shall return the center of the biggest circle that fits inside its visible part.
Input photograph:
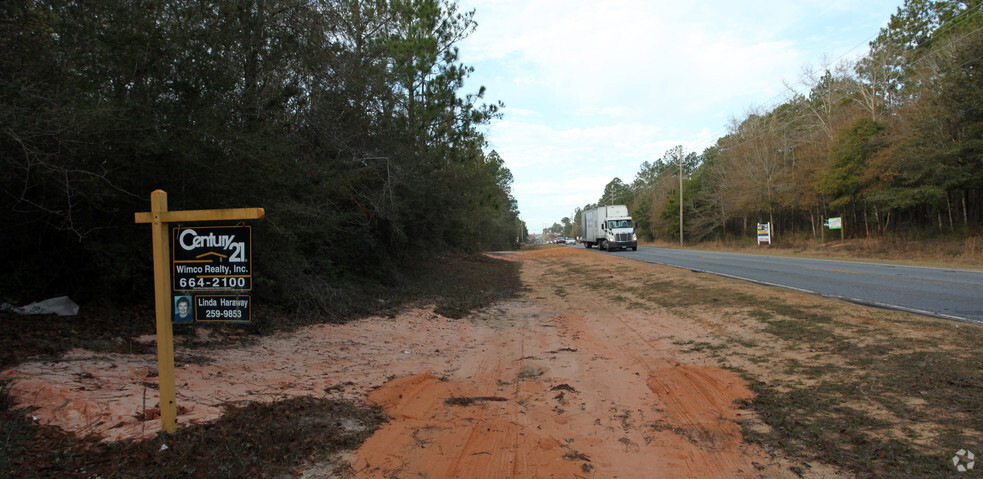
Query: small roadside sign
(833, 224)
(764, 233)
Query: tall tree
(845, 181)
(616, 192)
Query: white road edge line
(863, 302)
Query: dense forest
(343, 119)
(892, 143)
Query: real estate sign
(764, 233)
(211, 273)
(214, 280)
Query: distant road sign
(764, 233)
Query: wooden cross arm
(186, 216)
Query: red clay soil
(556, 383)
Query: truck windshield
(620, 224)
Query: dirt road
(566, 385)
(561, 382)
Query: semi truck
(609, 227)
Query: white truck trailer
(609, 227)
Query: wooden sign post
(834, 224)
(160, 218)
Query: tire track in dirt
(693, 403)
(483, 439)
(704, 416)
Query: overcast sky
(594, 88)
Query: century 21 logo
(190, 240)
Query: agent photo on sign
(182, 309)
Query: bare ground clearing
(604, 367)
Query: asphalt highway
(940, 292)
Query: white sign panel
(764, 233)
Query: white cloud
(629, 60)
(594, 88)
(523, 144)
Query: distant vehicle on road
(610, 228)
(560, 241)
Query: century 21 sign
(211, 273)
(211, 258)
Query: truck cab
(619, 233)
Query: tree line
(892, 143)
(344, 119)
